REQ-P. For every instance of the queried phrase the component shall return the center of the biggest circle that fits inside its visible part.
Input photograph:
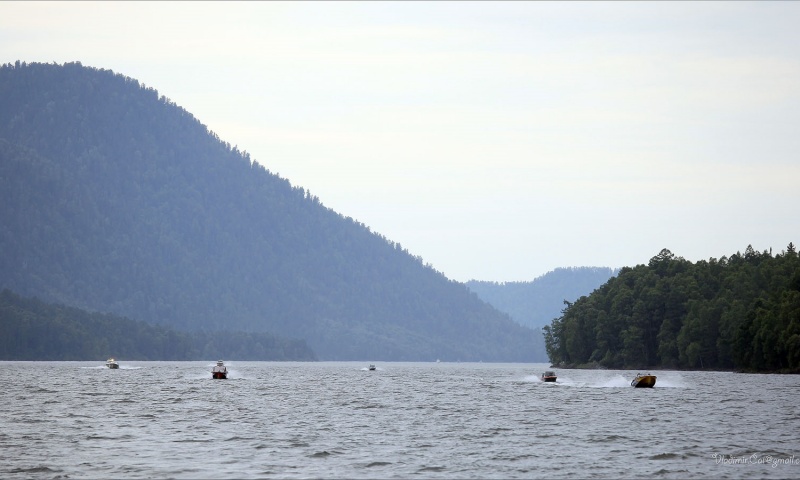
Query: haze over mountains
(536, 303)
(114, 199)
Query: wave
(34, 470)
(666, 456)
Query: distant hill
(114, 199)
(536, 303)
(34, 330)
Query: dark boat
(643, 381)
(372, 367)
(549, 376)
(220, 371)
(112, 364)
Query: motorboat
(372, 367)
(112, 364)
(549, 376)
(643, 381)
(220, 371)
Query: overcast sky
(497, 141)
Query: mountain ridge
(537, 302)
(118, 200)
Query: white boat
(112, 364)
(220, 371)
(372, 367)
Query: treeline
(734, 313)
(34, 330)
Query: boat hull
(644, 381)
(113, 366)
(219, 375)
(549, 379)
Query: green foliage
(741, 312)
(115, 199)
(33, 330)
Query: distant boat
(112, 364)
(220, 371)
(372, 367)
(643, 381)
(549, 376)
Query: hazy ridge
(537, 302)
(114, 199)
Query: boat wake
(671, 382)
(103, 367)
(617, 381)
(560, 381)
(568, 382)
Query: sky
(497, 141)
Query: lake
(403, 420)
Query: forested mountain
(536, 303)
(738, 312)
(114, 199)
(34, 330)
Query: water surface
(404, 420)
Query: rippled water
(405, 420)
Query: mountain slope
(536, 303)
(33, 330)
(115, 199)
